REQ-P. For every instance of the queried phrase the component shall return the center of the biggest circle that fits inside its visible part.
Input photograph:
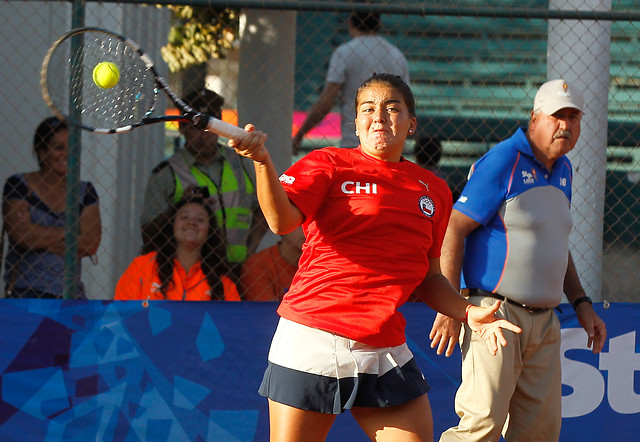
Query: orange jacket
(266, 275)
(140, 281)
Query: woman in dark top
(33, 209)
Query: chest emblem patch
(529, 177)
(427, 206)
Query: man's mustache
(563, 133)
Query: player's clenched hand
(484, 322)
(251, 145)
(444, 334)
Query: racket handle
(222, 128)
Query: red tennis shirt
(370, 228)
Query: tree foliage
(198, 34)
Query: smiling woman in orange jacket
(188, 266)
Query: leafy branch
(199, 34)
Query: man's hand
(593, 325)
(484, 322)
(444, 334)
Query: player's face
(383, 121)
(54, 158)
(555, 135)
(191, 225)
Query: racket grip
(223, 128)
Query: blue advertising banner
(189, 371)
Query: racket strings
(74, 93)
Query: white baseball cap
(555, 95)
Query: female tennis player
(374, 224)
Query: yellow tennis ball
(106, 75)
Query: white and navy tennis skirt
(316, 370)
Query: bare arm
(460, 226)
(589, 320)
(317, 112)
(25, 234)
(446, 330)
(281, 214)
(90, 231)
(439, 294)
(28, 235)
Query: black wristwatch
(580, 300)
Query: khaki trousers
(518, 392)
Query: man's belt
(480, 292)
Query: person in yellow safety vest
(206, 167)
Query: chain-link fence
(474, 68)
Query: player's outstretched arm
(437, 292)
(484, 322)
(281, 215)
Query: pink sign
(329, 127)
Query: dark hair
(365, 21)
(44, 132)
(205, 101)
(393, 81)
(213, 254)
(427, 150)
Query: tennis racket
(68, 88)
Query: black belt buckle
(480, 292)
(532, 309)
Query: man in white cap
(508, 239)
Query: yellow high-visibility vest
(234, 214)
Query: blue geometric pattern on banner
(159, 320)
(209, 341)
(190, 371)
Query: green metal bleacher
(485, 70)
(474, 80)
